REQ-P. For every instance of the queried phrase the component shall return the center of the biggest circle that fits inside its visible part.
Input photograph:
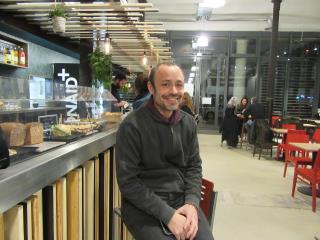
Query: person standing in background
(229, 124)
(142, 92)
(253, 112)
(239, 111)
(186, 104)
(119, 81)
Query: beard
(162, 102)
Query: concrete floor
(254, 200)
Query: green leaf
(101, 66)
(58, 11)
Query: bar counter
(19, 181)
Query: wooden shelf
(12, 65)
(7, 40)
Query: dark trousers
(143, 226)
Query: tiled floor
(254, 200)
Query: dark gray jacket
(154, 156)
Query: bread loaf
(15, 133)
(34, 133)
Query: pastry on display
(81, 128)
(15, 133)
(61, 130)
(111, 116)
(34, 133)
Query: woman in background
(186, 104)
(142, 92)
(239, 111)
(230, 124)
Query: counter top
(19, 181)
(26, 110)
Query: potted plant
(101, 66)
(58, 16)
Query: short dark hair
(141, 83)
(120, 76)
(155, 69)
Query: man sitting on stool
(158, 165)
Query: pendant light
(107, 42)
(107, 45)
(144, 59)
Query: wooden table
(316, 121)
(307, 125)
(279, 130)
(311, 147)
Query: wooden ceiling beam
(78, 6)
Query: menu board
(48, 121)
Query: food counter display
(58, 173)
(30, 126)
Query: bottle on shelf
(21, 57)
(8, 56)
(2, 52)
(15, 56)
(12, 54)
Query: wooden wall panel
(61, 206)
(74, 204)
(40, 211)
(116, 202)
(1, 227)
(88, 214)
(27, 219)
(96, 198)
(13, 223)
(107, 231)
(35, 217)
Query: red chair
(208, 200)
(295, 155)
(281, 146)
(316, 136)
(274, 120)
(207, 204)
(290, 126)
(309, 176)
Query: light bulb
(144, 59)
(107, 46)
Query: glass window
(283, 47)
(244, 46)
(242, 77)
(217, 46)
(305, 47)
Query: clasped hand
(184, 223)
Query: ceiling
(141, 25)
(131, 35)
(237, 15)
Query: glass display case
(38, 115)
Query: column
(239, 87)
